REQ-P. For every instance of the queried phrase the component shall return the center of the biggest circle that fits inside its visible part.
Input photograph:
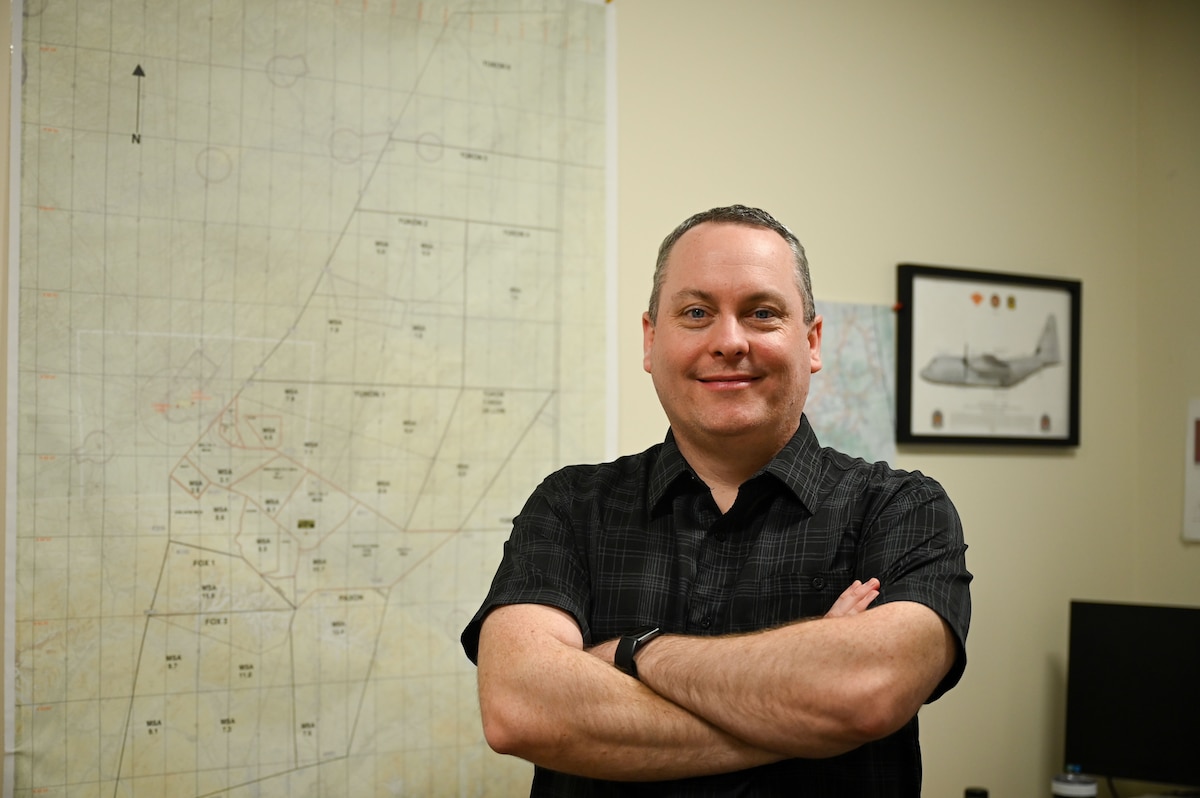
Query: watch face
(646, 634)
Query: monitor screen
(1133, 692)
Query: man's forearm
(546, 700)
(813, 689)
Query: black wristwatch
(630, 645)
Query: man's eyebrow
(693, 294)
(689, 294)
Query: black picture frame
(986, 357)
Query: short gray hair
(736, 214)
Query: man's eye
(695, 313)
(763, 313)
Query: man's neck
(724, 464)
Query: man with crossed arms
(735, 611)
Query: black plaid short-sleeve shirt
(640, 541)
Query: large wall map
(311, 296)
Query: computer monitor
(1133, 692)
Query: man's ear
(647, 340)
(814, 343)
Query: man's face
(729, 353)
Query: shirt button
(720, 536)
(706, 622)
(818, 582)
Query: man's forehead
(731, 262)
(736, 247)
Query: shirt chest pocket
(782, 598)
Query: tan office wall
(1167, 369)
(987, 135)
(995, 135)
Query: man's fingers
(854, 599)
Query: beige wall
(1167, 368)
(1054, 138)
(987, 135)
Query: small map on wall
(851, 404)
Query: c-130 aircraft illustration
(988, 370)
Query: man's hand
(855, 599)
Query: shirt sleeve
(540, 564)
(916, 548)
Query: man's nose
(728, 338)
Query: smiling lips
(728, 380)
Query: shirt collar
(669, 469)
(797, 466)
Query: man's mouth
(728, 380)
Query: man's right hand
(855, 599)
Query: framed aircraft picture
(986, 357)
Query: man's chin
(733, 429)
